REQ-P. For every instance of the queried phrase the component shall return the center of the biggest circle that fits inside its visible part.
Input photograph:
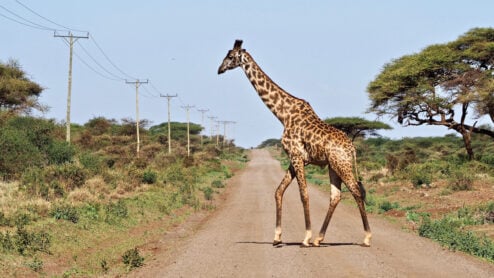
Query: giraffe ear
(238, 44)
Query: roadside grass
(90, 234)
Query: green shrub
(419, 174)
(461, 178)
(69, 174)
(132, 259)
(39, 132)
(116, 211)
(217, 184)
(4, 221)
(447, 232)
(6, 242)
(208, 193)
(31, 179)
(91, 211)
(26, 242)
(149, 176)
(18, 153)
(60, 152)
(35, 265)
(387, 206)
(65, 212)
(93, 163)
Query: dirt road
(236, 240)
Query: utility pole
(224, 129)
(168, 97)
(137, 83)
(70, 39)
(187, 108)
(202, 120)
(211, 118)
(217, 126)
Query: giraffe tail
(361, 187)
(362, 190)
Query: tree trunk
(467, 140)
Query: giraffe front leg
(304, 196)
(335, 198)
(285, 182)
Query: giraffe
(307, 140)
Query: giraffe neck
(275, 98)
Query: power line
(39, 27)
(59, 25)
(109, 60)
(97, 63)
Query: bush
(149, 176)
(208, 193)
(31, 181)
(18, 153)
(419, 174)
(387, 206)
(115, 211)
(60, 152)
(447, 232)
(69, 174)
(65, 212)
(461, 179)
(132, 259)
(217, 184)
(38, 131)
(93, 163)
(25, 242)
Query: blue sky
(323, 51)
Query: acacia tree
(448, 84)
(357, 127)
(17, 93)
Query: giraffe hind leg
(358, 192)
(280, 191)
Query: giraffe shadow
(297, 244)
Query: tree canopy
(17, 92)
(357, 127)
(441, 85)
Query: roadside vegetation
(85, 208)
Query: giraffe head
(233, 58)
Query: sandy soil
(236, 241)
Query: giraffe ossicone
(307, 140)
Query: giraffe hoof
(365, 245)
(303, 245)
(317, 242)
(277, 243)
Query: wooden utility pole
(202, 120)
(187, 108)
(168, 97)
(224, 129)
(137, 83)
(70, 39)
